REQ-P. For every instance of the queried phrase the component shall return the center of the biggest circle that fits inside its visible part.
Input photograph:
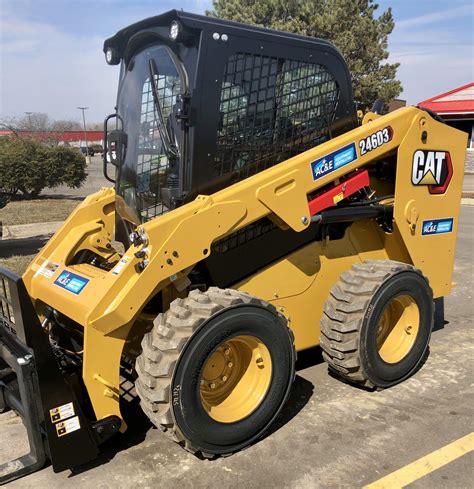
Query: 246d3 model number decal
(375, 140)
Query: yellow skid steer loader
(253, 215)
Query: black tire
(352, 318)
(174, 353)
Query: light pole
(29, 119)
(83, 109)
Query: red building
(69, 138)
(456, 107)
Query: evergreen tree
(350, 24)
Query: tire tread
(164, 344)
(343, 315)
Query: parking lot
(330, 435)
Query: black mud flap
(33, 385)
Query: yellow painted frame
(110, 303)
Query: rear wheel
(215, 370)
(377, 323)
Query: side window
(271, 109)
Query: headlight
(112, 57)
(175, 29)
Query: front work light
(112, 57)
(175, 29)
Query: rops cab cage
(204, 103)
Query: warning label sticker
(118, 268)
(68, 426)
(48, 269)
(338, 197)
(62, 412)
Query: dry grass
(39, 210)
(16, 263)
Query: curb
(22, 231)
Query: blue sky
(51, 50)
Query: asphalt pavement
(330, 435)
(94, 182)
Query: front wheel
(377, 323)
(216, 370)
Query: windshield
(149, 176)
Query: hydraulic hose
(349, 214)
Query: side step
(33, 385)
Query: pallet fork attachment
(33, 385)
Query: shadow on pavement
(22, 247)
(301, 392)
(61, 197)
(439, 319)
(138, 426)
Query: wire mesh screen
(271, 109)
(154, 170)
(7, 318)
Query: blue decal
(333, 161)
(437, 226)
(72, 282)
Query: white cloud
(45, 69)
(434, 57)
(430, 18)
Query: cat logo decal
(432, 168)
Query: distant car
(87, 151)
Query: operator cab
(204, 103)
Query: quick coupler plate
(34, 386)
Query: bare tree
(95, 126)
(10, 124)
(65, 125)
(36, 121)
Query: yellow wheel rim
(398, 328)
(235, 379)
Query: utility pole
(83, 109)
(29, 120)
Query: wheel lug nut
(224, 378)
(212, 385)
(227, 351)
(230, 364)
(259, 360)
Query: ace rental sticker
(333, 161)
(72, 282)
(437, 226)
